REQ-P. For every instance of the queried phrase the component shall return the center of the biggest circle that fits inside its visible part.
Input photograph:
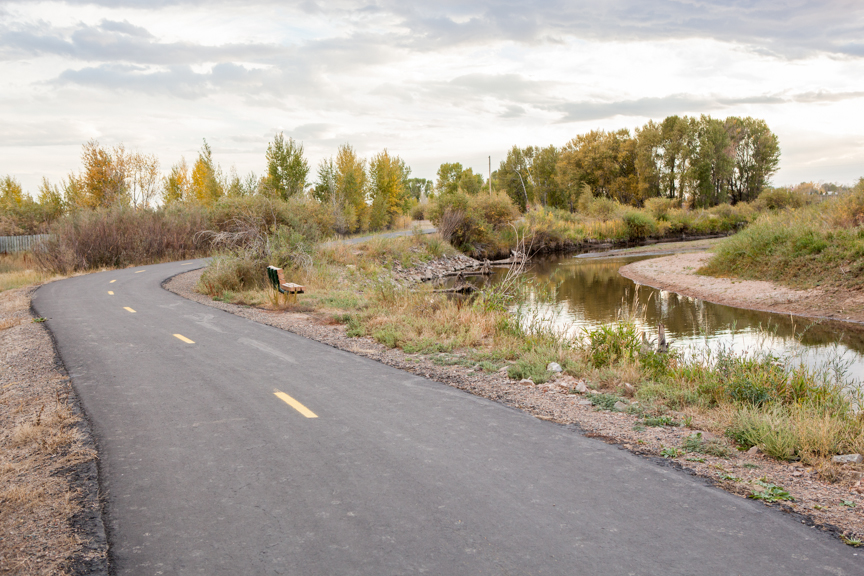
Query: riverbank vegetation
(788, 411)
(803, 242)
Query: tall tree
(448, 177)
(351, 185)
(11, 193)
(177, 186)
(514, 176)
(711, 163)
(419, 188)
(387, 186)
(469, 182)
(605, 162)
(51, 199)
(205, 188)
(287, 169)
(757, 155)
(141, 173)
(102, 182)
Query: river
(572, 293)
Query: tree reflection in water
(574, 293)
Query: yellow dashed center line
(183, 338)
(129, 309)
(140, 271)
(295, 404)
(112, 281)
(110, 292)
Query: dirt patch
(837, 507)
(50, 514)
(678, 274)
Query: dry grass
(39, 441)
(19, 270)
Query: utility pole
(490, 174)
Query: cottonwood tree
(11, 193)
(102, 181)
(177, 186)
(141, 173)
(449, 174)
(756, 151)
(419, 188)
(387, 188)
(605, 162)
(205, 187)
(51, 199)
(287, 169)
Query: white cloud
(449, 81)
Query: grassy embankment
(820, 244)
(789, 412)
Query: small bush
(779, 198)
(611, 344)
(659, 208)
(604, 401)
(696, 443)
(639, 225)
(418, 212)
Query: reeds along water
(565, 295)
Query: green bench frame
(277, 280)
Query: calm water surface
(571, 293)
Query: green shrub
(639, 225)
(779, 198)
(611, 344)
(418, 212)
(659, 208)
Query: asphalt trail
(208, 471)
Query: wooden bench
(278, 281)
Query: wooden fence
(20, 243)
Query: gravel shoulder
(50, 513)
(678, 273)
(836, 507)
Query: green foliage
(611, 344)
(604, 401)
(770, 492)
(660, 421)
(639, 225)
(729, 477)
(477, 224)
(816, 244)
(670, 452)
(287, 169)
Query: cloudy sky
(430, 81)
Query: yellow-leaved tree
(387, 187)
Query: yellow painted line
(140, 271)
(129, 309)
(183, 338)
(295, 404)
(112, 281)
(187, 264)
(110, 292)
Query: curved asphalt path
(207, 471)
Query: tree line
(701, 161)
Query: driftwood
(460, 289)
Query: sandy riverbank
(677, 273)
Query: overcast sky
(433, 82)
